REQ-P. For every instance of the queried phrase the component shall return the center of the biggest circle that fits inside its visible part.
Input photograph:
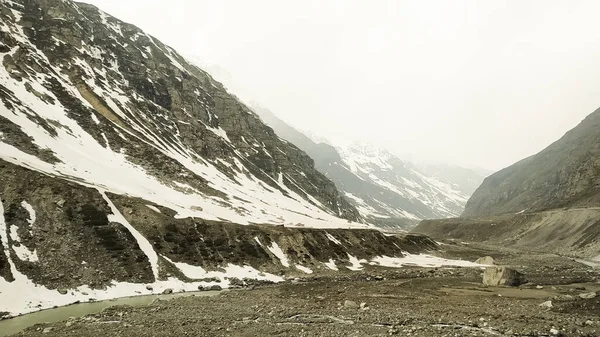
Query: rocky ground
(559, 300)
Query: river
(15, 325)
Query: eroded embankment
(574, 232)
(63, 242)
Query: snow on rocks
(331, 265)
(355, 263)
(420, 260)
(276, 250)
(143, 243)
(303, 269)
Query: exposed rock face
(573, 232)
(565, 174)
(389, 192)
(71, 74)
(64, 236)
(502, 276)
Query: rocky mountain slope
(126, 170)
(565, 174)
(549, 201)
(385, 189)
(139, 119)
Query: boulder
(168, 291)
(351, 304)
(503, 276)
(587, 296)
(487, 260)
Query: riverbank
(15, 325)
(561, 298)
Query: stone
(564, 298)
(215, 287)
(487, 260)
(62, 291)
(149, 287)
(502, 276)
(588, 296)
(168, 291)
(351, 304)
(547, 304)
(47, 330)
(210, 280)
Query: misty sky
(476, 83)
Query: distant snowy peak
(360, 156)
(413, 188)
(387, 191)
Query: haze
(475, 83)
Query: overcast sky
(475, 83)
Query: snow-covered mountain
(402, 179)
(93, 100)
(386, 190)
(125, 169)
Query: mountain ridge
(387, 190)
(199, 134)
(564, 174)
(549, 201)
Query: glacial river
(15, 325)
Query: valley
(141, 197)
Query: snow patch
(333, 239)
(29, 210)
(154, 208)
(276, 250)
(355, 263)
(143, 243)
(331, 265)
(229, 271)
(303, 269)
(420, 260)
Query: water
(15, 325)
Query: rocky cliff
(63, 242)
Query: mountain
(139, 119)
(565, 174)
(385, 189)
(126, 170)
(548, 202)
